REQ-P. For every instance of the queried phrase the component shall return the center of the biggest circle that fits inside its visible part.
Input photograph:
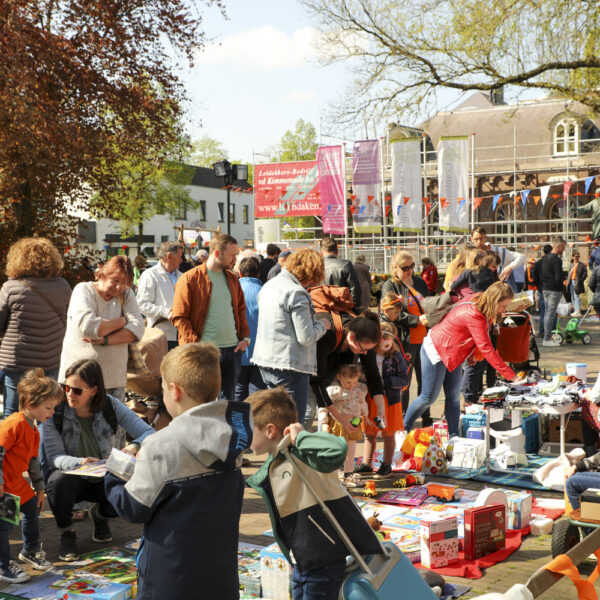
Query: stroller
(516, 343)
(144, 392)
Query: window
(232, 213)
(181, 213)
(566, 137)
(221, 207)
(245, 214)
(202, 210)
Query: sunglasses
(408, 268)
(77, 391)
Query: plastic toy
(369, 491)
(572, 332)
(355, 421)
(410, 480)
(444, 493)
(376, 524)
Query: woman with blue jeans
(287, 333)
(462, 335)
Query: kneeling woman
(82, 432)
(463, 334)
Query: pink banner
(331, 184)
(365, 163)
(286, 190)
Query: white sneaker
(576, 314)
(552, 343)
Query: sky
(262, 76)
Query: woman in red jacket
(463, 334)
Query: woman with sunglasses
(463, 334)
(411, 321)
(82, 432)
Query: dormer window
(566, 137)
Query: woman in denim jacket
(82, 432)
(287, 335)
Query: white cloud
(263, 48)
(299, 96)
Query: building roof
(497, 126)
(205, 177)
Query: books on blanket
(412, 496)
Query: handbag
(135, 361)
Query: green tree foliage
(403, 53)
(78, 85)
(299, 144)
(206, 151)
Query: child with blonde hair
(395, 372)
(348, 395)
(19, 444)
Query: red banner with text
(287, 190)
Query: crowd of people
(246, 336)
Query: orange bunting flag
(444, 203)
(555, 195)
(387, 210)
(370, 199)
(536, 247)
(477, 202)
(588, 238)
(406, 200)
(536, 199)
(427, 208)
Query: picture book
(97, 469)
(114, 569)
(413, 496)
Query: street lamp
(230, 173)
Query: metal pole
(472, 181)
(568, 204)
(228, 206)
(385, 270)
(514, 240)
(345, 201)
(425, 194)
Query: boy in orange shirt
(19, 443)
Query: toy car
(444, 493)
(369, 491)
(410, 480)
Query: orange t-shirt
(418, 333)
(20, 441)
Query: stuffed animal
(375, 524)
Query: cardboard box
(94, 588)
(439, 542)
(590, 504)
(468, 454)
(485, 530)
(275, 573)
(476, 433)
(520, 505)
(441, 428)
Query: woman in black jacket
(410, 322)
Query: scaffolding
(495, 170)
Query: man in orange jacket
(209, 306)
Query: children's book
(113, 569)
(10, 508)
(115, 553)
(413, 496)
(97, 469)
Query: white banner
(366, 189)
(407, 205)
(266, 231)
(453, 183)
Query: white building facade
(207, 190)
